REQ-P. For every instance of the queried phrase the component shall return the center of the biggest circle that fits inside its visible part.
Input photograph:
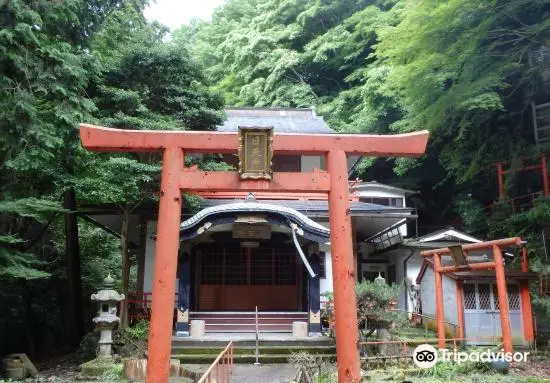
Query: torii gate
(175, 179)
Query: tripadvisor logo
(426, 356)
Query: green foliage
(448, 370)
(16, 261)
(138, 331)
(465, 70)
(114, 373)
(374, 296)
(373, 301)
(63, 63)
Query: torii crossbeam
(175, 179)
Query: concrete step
(277, 350)
(267, 358)
(235, 321)
(186, 342)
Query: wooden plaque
(255, 152)
(247, 231)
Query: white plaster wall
(400, 278)
(374, 193)
(427, 288)
(150, 258)
(366, 192)
(325, 284)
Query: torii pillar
(175, 179)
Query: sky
(174, 13)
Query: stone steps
(245, 322)
(196, 351)
(241, 359)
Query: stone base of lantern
(97, 368)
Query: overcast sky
(174, 13)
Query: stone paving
(265, 373)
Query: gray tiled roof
(248, 206)
(315, 206)
(283, 120)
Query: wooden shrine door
(231, 278)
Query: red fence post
(343, 270)
(166, 256)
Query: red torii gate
(175, 179)
(496, 264)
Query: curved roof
(289, 215)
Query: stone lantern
(106, 320)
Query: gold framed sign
(255, 152)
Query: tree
(147, 84)
(46, 65)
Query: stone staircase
(245, 321)
(204, 351)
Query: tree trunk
(75, 322)
(126, 264)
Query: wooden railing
(221, 370)
(404, 349)
(139, 306)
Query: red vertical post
(460, 308)
(164, 278)
(544, 171)
(524, 263)
(503, 300)
(526, 312)
(343, 270)
(500, 181)
(440, 314)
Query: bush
(132, 341)
(138, 331)
(88, 347)
(373, 300)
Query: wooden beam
(513, 241)
(231, 181)
(470, 267)
(298, 196)
(101, 139)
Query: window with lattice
(469, 292)
(261, 266)
(235, 266)
(285, 268)
(211, 267)
(484, 293)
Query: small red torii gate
(497, 264)
(175, 179)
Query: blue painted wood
(184, 276)
(314, 295)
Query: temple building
(247, 250)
